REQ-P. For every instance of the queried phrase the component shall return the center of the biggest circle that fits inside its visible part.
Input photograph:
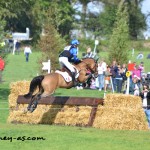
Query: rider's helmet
(74, 42)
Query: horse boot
(74, 79)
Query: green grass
(18, 69)
(59, 137)
(145, 60)
(133, 59)
(72, 138)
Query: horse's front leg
(84, 77)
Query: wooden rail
(66, 100)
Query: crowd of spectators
(114, 78)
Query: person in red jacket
(2, 65)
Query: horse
(48, 83)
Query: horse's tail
(36, 82)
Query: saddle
(66, 74)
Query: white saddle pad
(66, 76)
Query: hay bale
(123, 112)
(43, 114)
(17, 88)
(70, 116)
(120, 111)
(49, 114)
(122, 100)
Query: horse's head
(92, 65)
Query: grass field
(58, 137)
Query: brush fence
(117, 111)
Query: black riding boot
(73, 79)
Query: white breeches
(64, 62)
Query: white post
(128, 73)
(128, 84)
(47, 66)
(104, 95)
(96, 43)
(94, 50)
(14, 46)
(132, 52)
(112, 84)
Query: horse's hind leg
(30, 104)
(34, 102)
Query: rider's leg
(74, 79)
(65, 61)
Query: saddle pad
(65, 75)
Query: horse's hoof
(31, 110)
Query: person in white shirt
(27, 52)
(101, 73)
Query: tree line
(55, 19)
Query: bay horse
(50, 82)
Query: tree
(107, 19)
(51, 44)
(119, 41)
(136, 19)
(20, 14)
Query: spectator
(89, 53)
(112, 70)
(134, 88)
(145, 95)
(17, 46)
(107, 78)
(124, 70)
(119, 78)
(141, 69)
(2, 65)
(101, 74)
(10, 43)
(137, 73)
(93, 84)
(27, 52)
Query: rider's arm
(74, 53)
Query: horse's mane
(89, 58)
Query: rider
(68, 55)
